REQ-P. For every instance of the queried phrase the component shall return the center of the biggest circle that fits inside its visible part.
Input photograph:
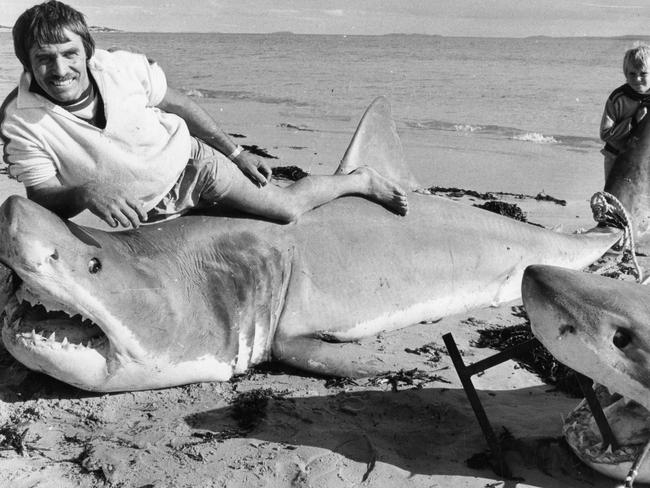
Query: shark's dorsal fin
(376, 143)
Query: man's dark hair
(44, 24)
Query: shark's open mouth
(587, 443)
(42, 328)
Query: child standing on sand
(626, 105)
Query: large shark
(203, 297)
(600, 327)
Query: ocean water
(476, 106)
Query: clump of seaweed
(292, 173)
(340, 382)
(460, 192)
(412, 377)
(493, 195)
(258, 151)
(536, 359)
(503, 208)
(432, 350)
(13, 438)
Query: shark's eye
(94, 266)
(621, 338)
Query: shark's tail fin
(376, 143)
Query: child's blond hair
(637, 57)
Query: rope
(608, 209)
(634, 469)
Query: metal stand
(465, 373)
(586, 385)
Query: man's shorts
(207, 178)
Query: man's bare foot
(383, 191)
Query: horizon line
(110, 30)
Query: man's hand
(254, 168)
(113, 204)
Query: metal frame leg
(465, 373)
(586, 385)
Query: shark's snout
(539, 292)
(537, 282)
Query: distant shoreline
(111, 30)
(92, 28)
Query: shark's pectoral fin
(315, 355)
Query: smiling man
(98, 130)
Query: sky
(493, 18)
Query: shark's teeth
(35, 338)
(19, 309)
(24, 294)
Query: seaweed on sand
(536, 360)
(503, 208)
(492, 195)
(12, 438)
(292, 173)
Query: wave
(574, 142)
(243, 95)
(466, 128)
(535, 137)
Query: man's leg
(286, 204)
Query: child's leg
(286, 204)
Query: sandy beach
(276, 427)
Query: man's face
(60, 69)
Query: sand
(275, 427)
